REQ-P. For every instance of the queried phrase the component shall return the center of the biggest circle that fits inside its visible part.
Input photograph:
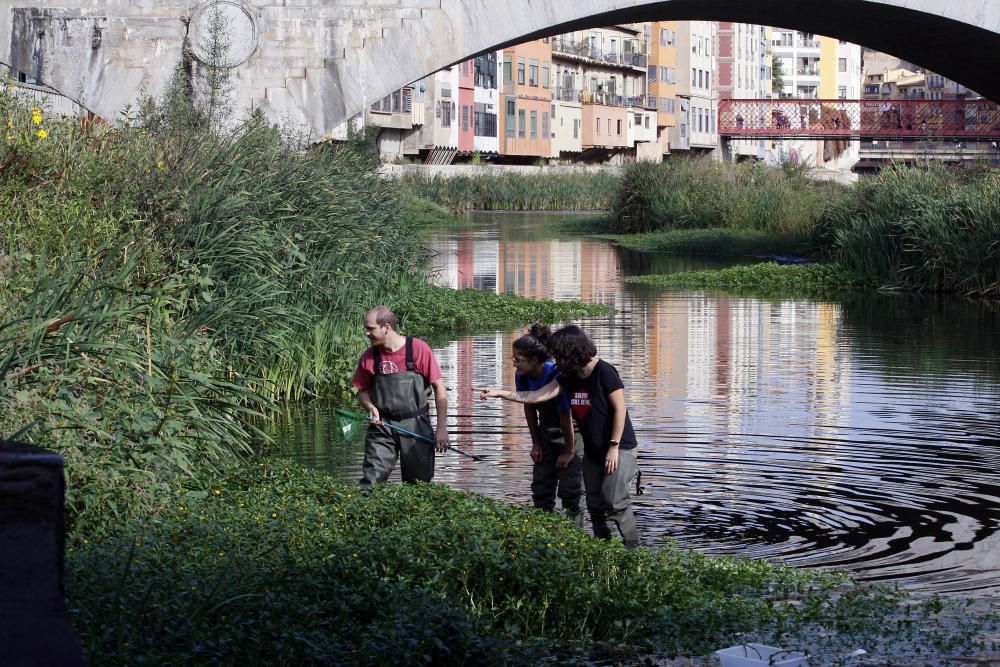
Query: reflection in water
(862, 434)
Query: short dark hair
(384, 316)
(533, 343)
(571, 348)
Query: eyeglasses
(518, 360)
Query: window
(534, 124)
(663, 74)
(694, 78)
(545, 124)
(651, 73)
(841, 64)
(598, 127)
(444, 113)
(509, 129)
(663, 36)
(485, 123)
(545, 74)
(619, 128)
(507, 74)
(465, 117)
(609, 127)
(841, 92)
(520, 123)
(576, 128)
(533, 72)
(638, 119)
(520, 71)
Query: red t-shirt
(394, 362)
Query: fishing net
(351, 423)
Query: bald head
(383, 316)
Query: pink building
(466, 106)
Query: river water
(858, 433)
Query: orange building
(526, 99)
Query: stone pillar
(34, 625)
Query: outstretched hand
(489, 392)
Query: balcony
(585, 50)
(566, 95)
(808, 71)
(808, 43)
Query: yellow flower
(37, 120)
(216, 492)
(36, 111)
(10, 124)
(42, 134)
(159, 164)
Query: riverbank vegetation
(278, 565)
(582, 191)
(919, 228)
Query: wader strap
(638, 482)
(410, 364)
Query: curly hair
(533, 344)
(571, 348)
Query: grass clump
(717, 242)
(764, 277)
(515, 192)
(276, 565)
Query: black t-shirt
(588, 399)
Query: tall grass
(687, 193)
(515, 192)
(930, 228)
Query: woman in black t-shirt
(597, 399)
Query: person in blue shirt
(556, 449)
(597, 400)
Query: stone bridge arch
(318, 62)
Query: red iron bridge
(957, 120)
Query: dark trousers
(609, 499)
(547, 482)
(383, 446)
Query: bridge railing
(941, 119)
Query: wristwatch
(613, 443)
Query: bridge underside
(319, 62)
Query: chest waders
(547, 482)
(401, 398)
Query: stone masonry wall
(311, 64)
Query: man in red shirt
(394, 379)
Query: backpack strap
(377, 358)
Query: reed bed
(515, 192)
(930, 228)
(687, 193)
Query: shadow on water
(860, 433)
